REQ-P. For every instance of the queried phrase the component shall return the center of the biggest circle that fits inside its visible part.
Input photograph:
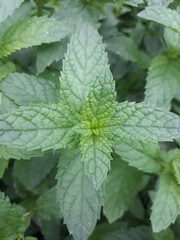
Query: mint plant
(69, 147)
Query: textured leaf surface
(84, 62)
(31, 32)
(127, 49)
(7, 7)
(34, 127)
(124, 183)
(31, 173)
(96, 155)
(143, 156)
(6, 69)
(25, 89)
(47, 54)
(159, 2)
(165, 16)
(166, 205)
(141, 122)
(14, 216)
(162, 81)
(79, 201)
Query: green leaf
(162, 81)
(6, 69)
(166, 205)
(85, 61)
(141, 155)
(47, 54)
(25, 89)
(172, 40)
(31, 32)
(141, 122)
(164, 235)
(133, 3)
(47, 205)
(3, 165)
(121, 189)
(35, 127)
(165, 16)
(96, 155)
(31, 173)
(127, 49)
(176, 166)
(12, 217)
(80, 203)
(159, 2)
(7, 7)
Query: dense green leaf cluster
(89, 120)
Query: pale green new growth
(80, 202)
(30, 32)
(166, 205)
(165, 16)
(7, 7)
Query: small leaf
(79, 201)
(166, 205)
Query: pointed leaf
(6, 69)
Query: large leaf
(166, 205)
(165, 16)
(7, 7)
(162, 81)
(79, 202)
(31, 32)
(141, 122)
(124, 183)
(25, 89)
(34, 127)
(96, 154)
(84, 62)
(141, 155)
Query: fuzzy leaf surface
(141, 122)
(162, 81)
(141, 155)
(74, 190)
(32, 31)
(166, 205)
(124, 183)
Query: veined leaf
(127, 49)
(7, 7)
(31, 32)
(141, 122)
(141, 155)
(34, 127)
(162, 81)
(165, 16)
(6, 69)
(80, 203)
(84, 62)
(159, 2)
(12, 217)
(96, 155)
(166, 205)
(124, 183)
(25, 89)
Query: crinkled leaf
(6, 69)
(166, 205)
(165, 16)
(7, 7)
(47, 54)
(12, 217)
(34, 127)
(26, 89)
(141, 155)
(84, 62)
(141, 122)
(96, 155)
(124, 183)
(162, 81)
(79, 202)
(159, 2)
(127, 49)
(30, 32)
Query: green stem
(39, 7)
